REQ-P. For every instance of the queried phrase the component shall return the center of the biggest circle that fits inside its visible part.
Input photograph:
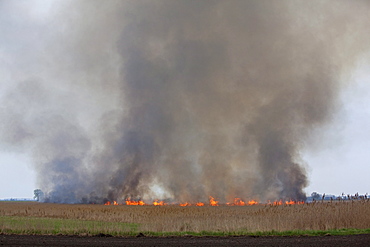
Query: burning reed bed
(126, 220)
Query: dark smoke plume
(175, 99)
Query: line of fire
(212, 202)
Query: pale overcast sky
(338, 162)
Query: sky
(337, 162)
(340, 163)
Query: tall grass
(263, 218)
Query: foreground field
(42, 218)
(297, 241)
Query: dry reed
(310, 216)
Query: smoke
(174, 99)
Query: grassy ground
(46, 226)
(309, 219)
(32, 225)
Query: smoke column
(174, 99)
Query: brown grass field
(310, 216)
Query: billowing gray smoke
(174, 99)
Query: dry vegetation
(312, 216)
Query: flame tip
(212, 202)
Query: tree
(38, 195)
(316, 196)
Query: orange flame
(111, 203)
(278, 202)
(186, 204)
(131, 202)
(290, 202)
(239, 202)
(252, 202)
(159, 203)
(212, 201)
